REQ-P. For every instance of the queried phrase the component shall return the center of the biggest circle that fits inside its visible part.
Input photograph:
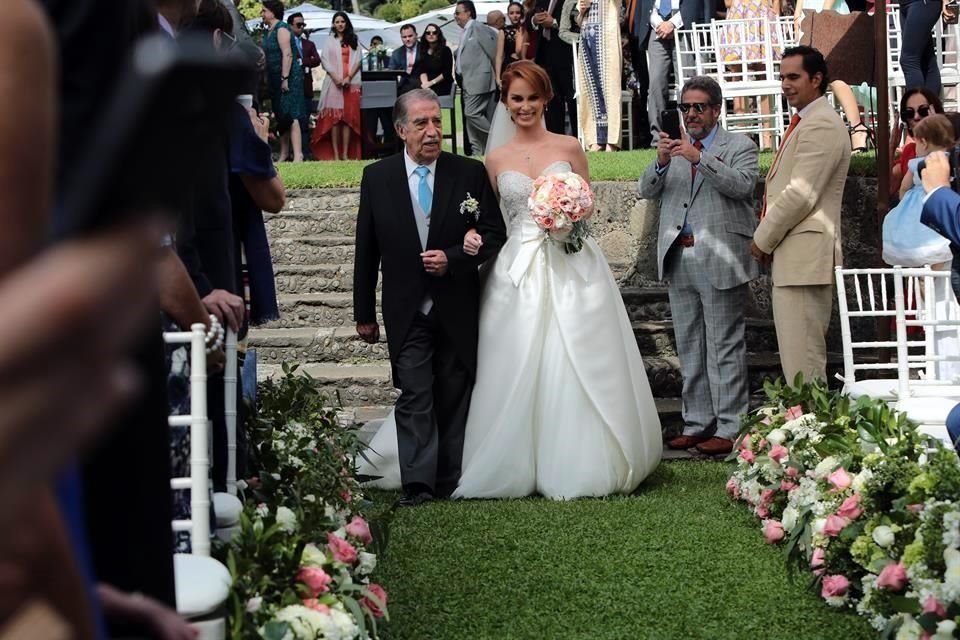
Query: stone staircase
(312, 246)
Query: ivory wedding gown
(561, 405)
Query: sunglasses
(431, 33)
(299, 25)
(907, 114)
(699, 107)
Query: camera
(953, 156)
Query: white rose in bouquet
(884, 536)
(287, 519)
(368, 562)
(826, 467)
(777, 436)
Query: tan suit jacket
(804, 191)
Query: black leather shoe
(414, 498)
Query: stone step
(295, 279)
(334, 309)
(293, 223)
(276, 344)
(369, 383)
(311, 250)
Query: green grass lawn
(620, 166)
(676, 560)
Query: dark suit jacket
(941, 212)
(387, 239)
(554, 55)
(311, 59)
(692, 11)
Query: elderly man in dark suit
(409, 228)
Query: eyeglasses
(231, 41)
(299, 25)
(907, 114)
(431, 33)
(699, 107)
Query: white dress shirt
(413, 180)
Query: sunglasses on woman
(431, 33)
(699, 107)
(907, 114)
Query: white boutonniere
(470, 208)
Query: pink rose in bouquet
(839, 480)
(773, 531)
(850, 509)
(817, 560)
(371, 606)
(892, 577)
(934, 606)
(316, 579)
(747, 456)
(778, 452)
(316, 605)
(834, 525)
(359, 529)
(342, 550)
(834, 587)
(786, 485)
(559, 204)
(793, 413)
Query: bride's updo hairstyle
(531, 73)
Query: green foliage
(250, 9)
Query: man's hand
(542, 17)
(261, 124)
(369, 332)
(762, 258)
(664, 149)
(683, 148)
(665, 30)
(937, 171)
(227, 307)
(472, 243)
(435, 262)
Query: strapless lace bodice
(515, 189)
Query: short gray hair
(706, 84)
(404, 102)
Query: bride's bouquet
(561, 203)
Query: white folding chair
(226, 506)
(927, 399)
(745, 59)
(872, 300)
(202, 583)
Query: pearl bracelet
(215, 334)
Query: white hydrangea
(368, 562)
(951, 529)
(910, 629)
(826, 467)
(945, 629)
(304, 623)
(287, 519)
(777, 436)
(344, 623)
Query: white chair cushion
(877, 389)
(202, 584)
(227, 508)
(927, 410)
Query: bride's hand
(472, 243)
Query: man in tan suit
(799, 231)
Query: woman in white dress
(561, 405)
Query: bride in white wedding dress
(561, 405)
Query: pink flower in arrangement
(934, 606)
(773, 531)
(747, 456)
(792, 472)
(762, 511)
(778, 452)
(745, 443)
(359, 529)
(914, 508)
(839, 480)
(342, 550)
(372, 606)
(793, 413)
(347, 496)
(834, 525)
(762, 444)
(766, 496)
(545, 222)
(893, 577)
(850, 509)
(817, 560)
(786, 485)
(316, 605)
(766, 420)
(315, 578)
(732, 488)
(834, 587)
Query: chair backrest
(230, 408)
(378, 94)
(863, 294)
(938, 314)
(744, 50)
(198, 483)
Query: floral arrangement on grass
(303, 558)
(861, 500)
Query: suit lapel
(442, 194)
(717, 150)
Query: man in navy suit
(405, 57)
(941, 212)
(655, 23)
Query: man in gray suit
(705, 186)
(475, 74)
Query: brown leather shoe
(685, 442)
(715, 446)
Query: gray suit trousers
(662, 62)
(709, 325)
(477, 114)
